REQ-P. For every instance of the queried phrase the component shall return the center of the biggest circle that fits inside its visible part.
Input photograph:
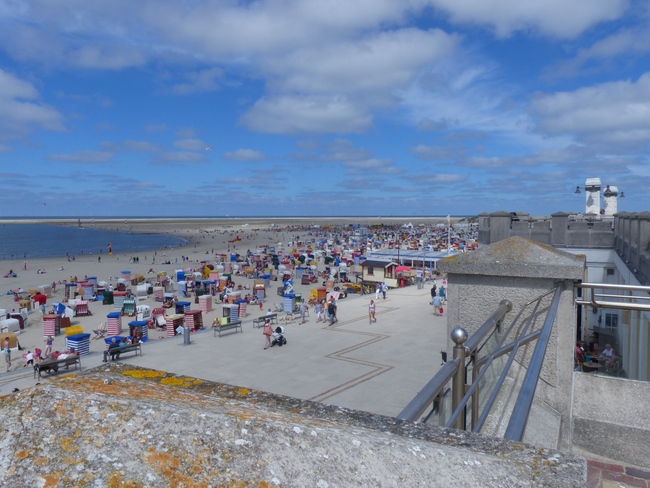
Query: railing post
(459, 336)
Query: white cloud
(97, 57)
(143, 146)
(628, 43)
(169, 157)
(244, 155)
(373, 64)
(372, 166)
(190, 144)
(296, 114)
(199, 82)
(84, 157)
(20, 109)
(556, 18)
(615, 112)
(434, 152)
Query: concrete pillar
(520, 270)
(499, 226)
(611, 200)
(559, 229)
(592, 196)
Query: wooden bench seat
(53, 365)
(123, 350)
(219, 328)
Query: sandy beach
(206, 239)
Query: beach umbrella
(400, 269)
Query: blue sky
(284, 107)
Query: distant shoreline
(188, 227)
(226, 221)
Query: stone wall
(559, 230)
(610, 418)
(127, 426)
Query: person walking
(331, 311)
(303, 310)
(319, 310)
(433, 293)
(49, 340)
(6, 350)
(383, 289)
(377, 291)
(268, 332)
(436, 305)
(371, 312)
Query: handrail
(432, 389)
(630, 304)
(519, 418)
(614, 287)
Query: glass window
(611, 320)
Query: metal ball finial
(459, 335)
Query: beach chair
(81, 309)
(278, 307)
(100, 332)
(129, 307)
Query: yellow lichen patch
(198, 382)
(114, 479)
(168, 467)
(51, 480)
(41, 461)
(173, 381)
(65, 376)
(68, 446)
(196, 469)
(243, 391)
(242, 416)
(22, 455)
(137, 373)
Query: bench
(272, 316)
(123, 350)
(224, 327)
(52, 365)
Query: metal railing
(593, 302)
(629, 310)
(432, 391)
(480, 360)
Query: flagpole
(448, 232)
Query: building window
(611, 320)
(371, 270)
(610, 271)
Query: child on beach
(29, 359)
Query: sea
(25, 241)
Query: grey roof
(517, 257)
(377, 264)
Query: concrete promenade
(375, 367)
